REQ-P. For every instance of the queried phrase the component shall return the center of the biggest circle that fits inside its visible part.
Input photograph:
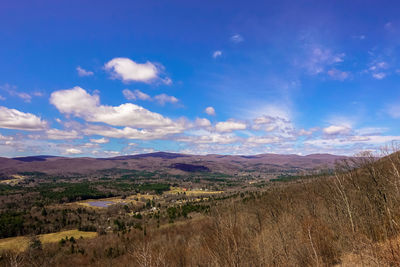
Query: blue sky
(101, 78)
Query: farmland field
(21, 243)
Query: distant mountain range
(173, 163)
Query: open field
(188, 192)
(134, 199)
(15, 179)
(21, 243)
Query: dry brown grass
(21, 243)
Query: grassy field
(188, 192)
(117, 200)
(14, 181)
(20, 243)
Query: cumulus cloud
(132, 133)
(137, 94)
(237, 38)
(336, 130)
(82, 72)
(217, 53)
(73, 151)
(100, 140)
(229, 126)
(14, 119)
(304, 132)
(128, 70)
(78, 102)
(277, 124)
(202, 122)
(210, 111)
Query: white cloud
(319, 58)
(217, 53)
(360, 37)
(229, 126)
(202, 122)
(56, 134)
(37, 93)
(338, 74)
(263, 139)
(82, 72)
(337, 129)
(2, 97)
(6, 138)
(163, 98)
(137, 94)
(237, 38)
(128, 70)
(210, 111)
(100, 140)
(131, 133)
(379, 75)
(78, 102)
(277, 123)
(370, 131)
(304, 132)
(378, 69)
(24, 96)
(379, 65)
(14, 119)
(73, 151)
(374, 140)
(12, 91)
(205, 137)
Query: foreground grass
(21, 243)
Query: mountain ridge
(162, 161)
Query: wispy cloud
(217, 53)
(338, 75)
(162, 99)
(82, 72)
(136, 94)
(237, 38)
(319, 59)
(13, 91)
